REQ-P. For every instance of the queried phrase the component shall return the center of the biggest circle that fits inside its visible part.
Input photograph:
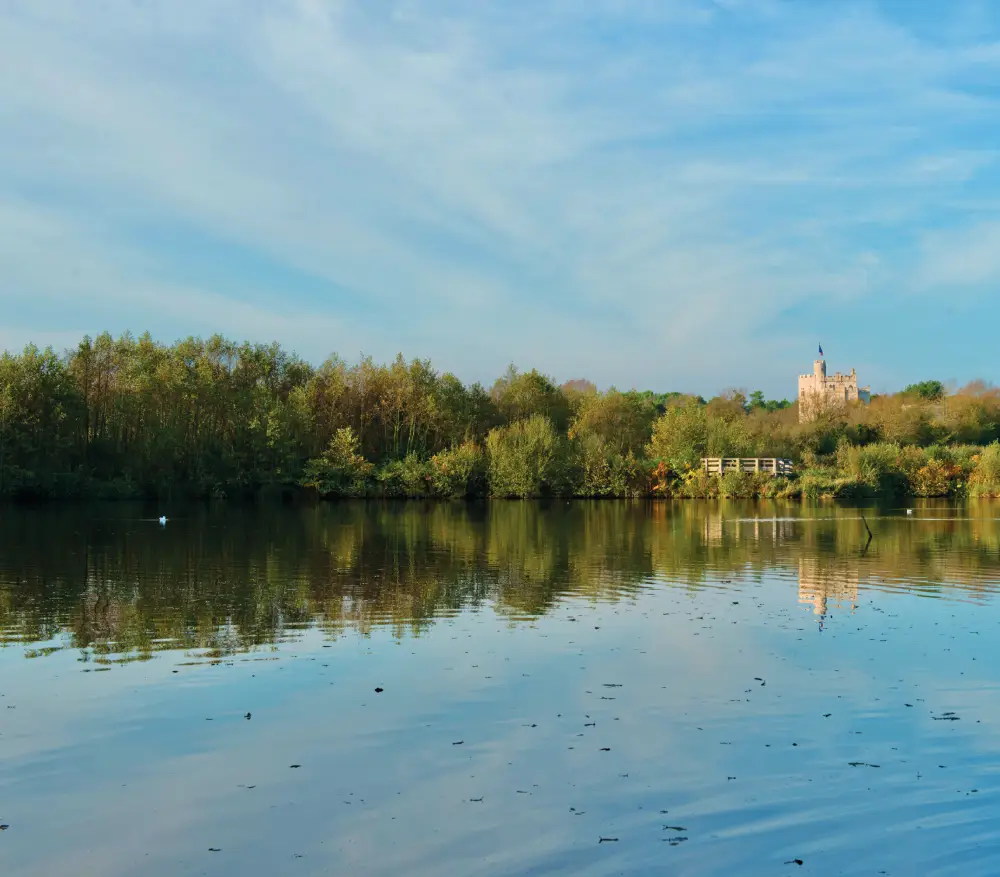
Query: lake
(584, 688)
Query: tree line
(132, 417)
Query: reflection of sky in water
(120, 772)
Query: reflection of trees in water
(234, 578)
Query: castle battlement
(837, 376)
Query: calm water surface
(709, 688)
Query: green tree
(528, 458)
(680, 435)
(341, 470)
(622, 421)
(6, 413)
(930, 391)
(757, 402)
(521, 395)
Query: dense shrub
(409, 477)
(817, 482)
(662, 480)
(603, 471)
(528, 458)
(781, 488)
(697, 484)
(985, 478)
(871, 469)
(937, 477)
(340, 470)
(459, 471)
(737, 485)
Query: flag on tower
(821, 350)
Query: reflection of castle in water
(828, 586)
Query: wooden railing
(771, 465)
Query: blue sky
(673, 194)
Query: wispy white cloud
(601, 192)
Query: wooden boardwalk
(770, 465)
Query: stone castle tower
(820, 392)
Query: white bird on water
(909, 511)
(163, 519)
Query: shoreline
(298, 496)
